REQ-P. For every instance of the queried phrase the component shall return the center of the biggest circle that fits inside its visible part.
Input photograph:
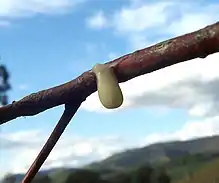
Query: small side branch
(70, 110)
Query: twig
(189, 46)
(70, 110)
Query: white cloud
(76, 151)
(21, 8)
(143, 23)
(137, 19)
(194, 19)
(191, 85)
(97, 21)
(190, 130)
(70, 151)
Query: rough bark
(200, 44)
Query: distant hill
(160, 152)
(180, 157)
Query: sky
(47, 43)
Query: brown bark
(200, 43)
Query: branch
(70, 110)
(189, 46)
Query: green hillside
(160, 152)
(181, 162)
(206, 174)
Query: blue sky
(46, 44)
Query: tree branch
(189, 46)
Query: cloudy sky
(46, 43)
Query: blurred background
(165, 131)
